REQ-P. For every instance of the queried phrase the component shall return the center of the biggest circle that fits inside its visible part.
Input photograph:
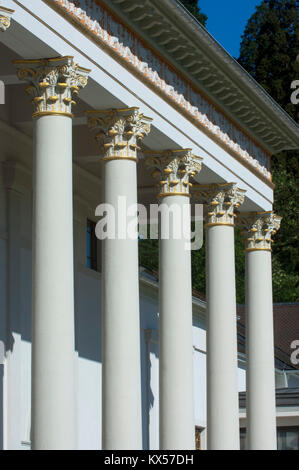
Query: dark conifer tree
(269, 48)
(270, 53)
(193, 7)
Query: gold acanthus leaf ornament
(53, 84)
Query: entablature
(197, 77)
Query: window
(92, 252)
(243, 443)
(288, 438)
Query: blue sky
(227, 20)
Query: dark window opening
(92, 248)
(288, 438)
(243, 441)
(198, 438)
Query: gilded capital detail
(221, 200)
(53, 84)
(174, 169)
(118, 132)
(5, 18)
(259, 228)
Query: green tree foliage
(149, 254)
(269, 48)
(193, 7)
(270, 45)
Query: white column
(117, 133)
(261, 407)
(5, 18)
(53, 85)
(222, 351)
(177, 422)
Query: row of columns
(53, 87)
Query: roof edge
(231, 64)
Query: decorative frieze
(5, 18)
(120, 41)
(174, 168)
(118, 131)
(220, 200)
(259, 229)
(53, 84)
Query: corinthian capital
(118, 131)
(174, 168)
(221, 200)
(5, 18)
(53, 84)
(259, 227)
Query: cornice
(123, 42)
(179, 37)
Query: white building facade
(95, 357)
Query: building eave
(169, 28)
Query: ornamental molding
(118, 131)
(5, 18)
(259, 228)
(174, 169)
(124, 44)
(54, 84)
(220, 202)
(170, 28)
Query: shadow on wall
(17, 308)
(149, 323)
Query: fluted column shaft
(176, 388)
(53, 412)
(261, 407)
(117, 134)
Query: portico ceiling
(188, 46)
